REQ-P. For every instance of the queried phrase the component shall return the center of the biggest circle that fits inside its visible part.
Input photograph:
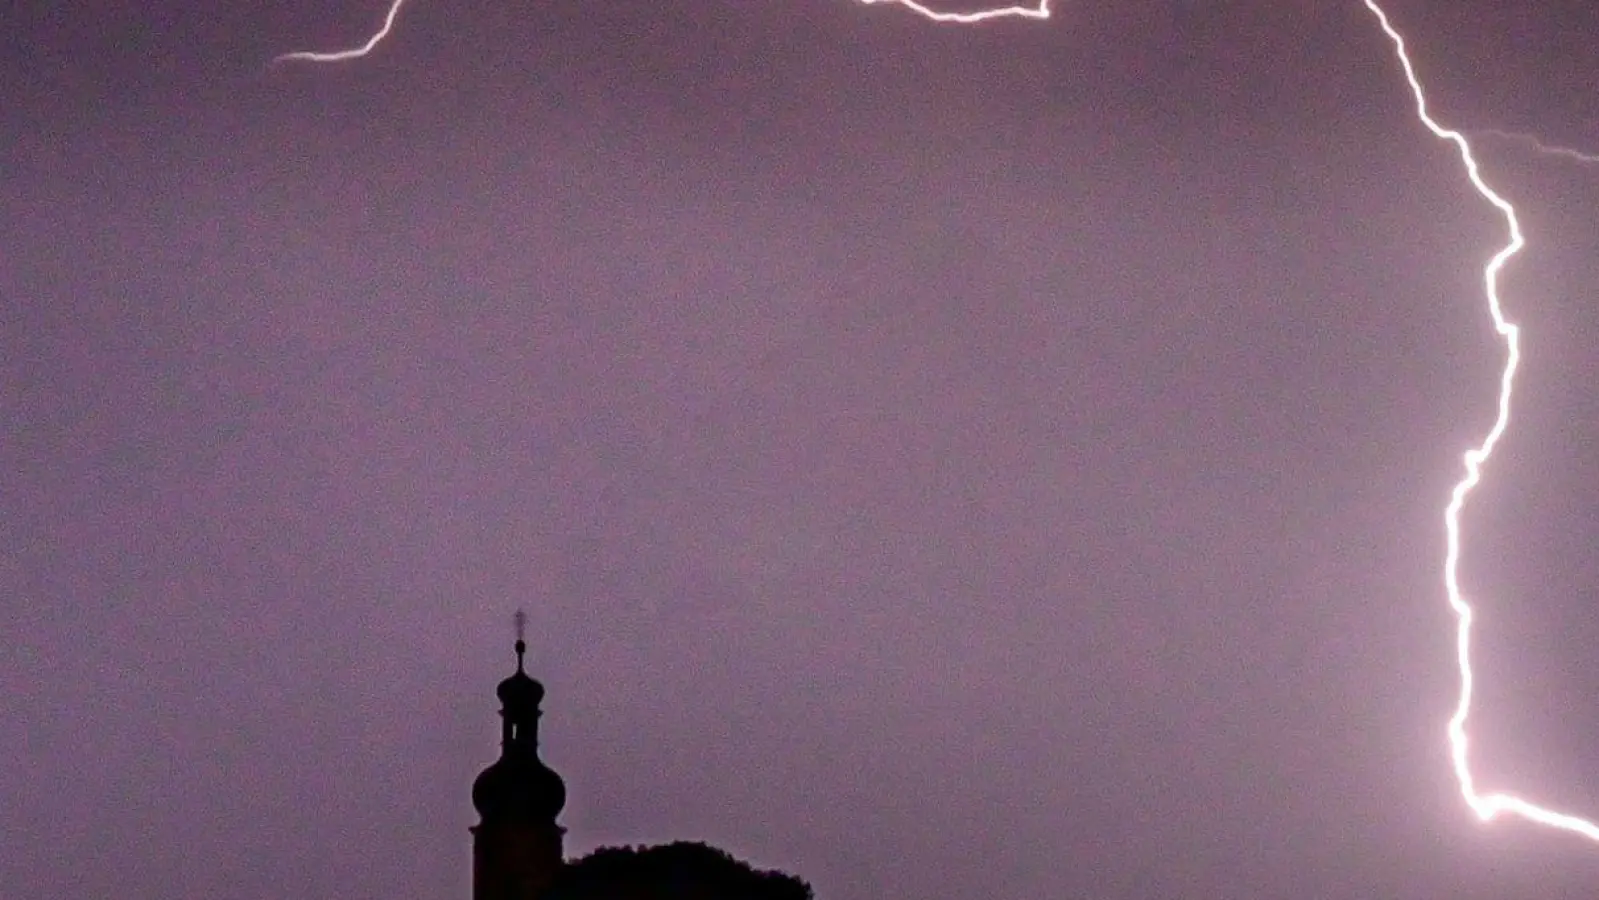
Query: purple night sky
(999, 463)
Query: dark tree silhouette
(679, 871)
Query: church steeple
(516, 848)
(519, 699)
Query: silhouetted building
(516, 846)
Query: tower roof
(518, 787)
(520, 691)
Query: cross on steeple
(521, 632)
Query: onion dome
(519, 692)
(519, 789)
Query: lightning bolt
(1487, 806)
(1532, 140)
(1040, 11)
(353, 52)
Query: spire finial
(521, 629)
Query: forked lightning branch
(1488, 805)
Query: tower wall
(515, 862)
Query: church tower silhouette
(516, 847)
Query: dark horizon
(1001, 462)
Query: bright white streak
(1041, 11)
(1486, 806)
(352, 53)
(1541, 147)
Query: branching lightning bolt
(1487, 806)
